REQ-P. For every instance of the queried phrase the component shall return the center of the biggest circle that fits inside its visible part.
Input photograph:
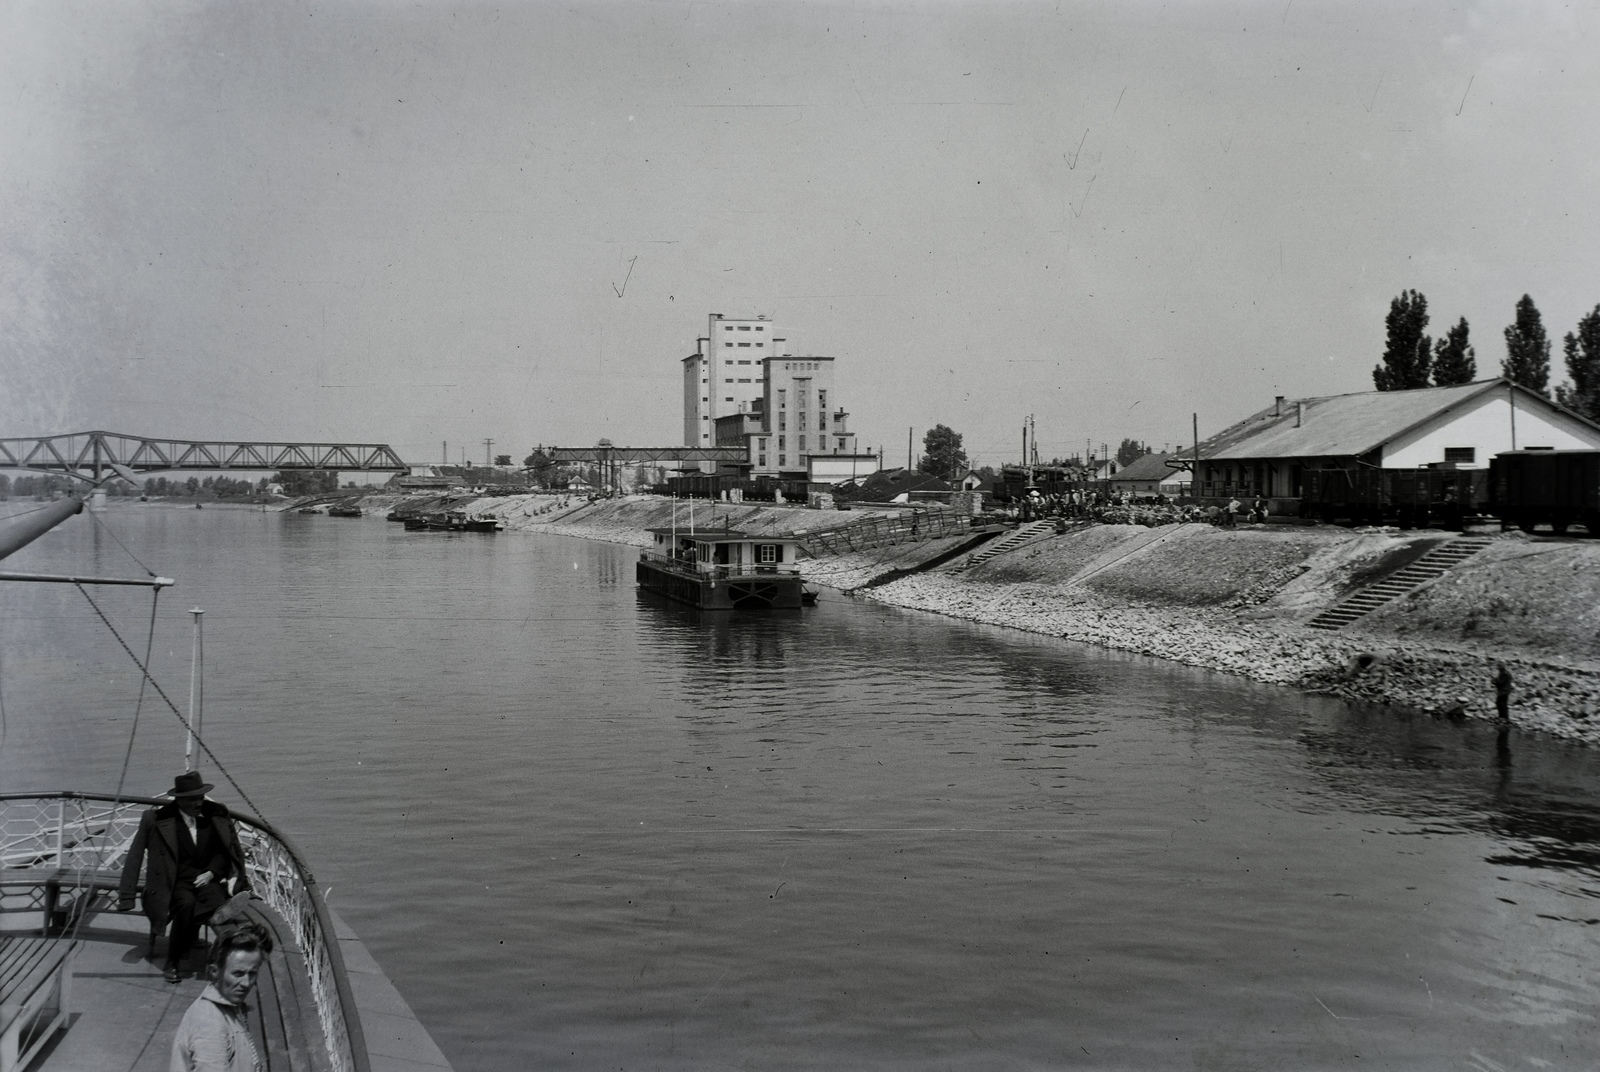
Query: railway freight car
(1558, 488)
(1436, 497)
(1017, 480)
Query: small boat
(727, 570)
(344, 511)
(452, 521)
(308, 510)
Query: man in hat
(193, 850)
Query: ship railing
(712, 571)
(44, 834)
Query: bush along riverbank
(1239, 600)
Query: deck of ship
(322, 1003)
(123, 1015)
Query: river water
(583, 829)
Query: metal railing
(919, 523)
(712, 571)
(45, 833)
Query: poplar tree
(1527, 362)
(1131, 451)
(1454, 360)
(1583, 367)
(1409, 354)
(942, 455)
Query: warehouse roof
(1345, 425)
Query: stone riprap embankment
(626, 520)
(1238, 600)
(1235, 600)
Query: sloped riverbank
(1238, 601)
(1230, 600)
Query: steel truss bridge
(94, 451)
(645, 455)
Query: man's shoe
(171, 974)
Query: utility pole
(909, 431)
(444, 452)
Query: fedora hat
(188, 784)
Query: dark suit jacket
(157, 839)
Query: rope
(108, 531)
(222, 770)
(25, 513)
(127, 757)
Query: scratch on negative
(1331, 1013)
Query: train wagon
(1558, 488)
(1437, 497)
(1017, 480)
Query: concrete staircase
(1023, 534)
(1429, 567)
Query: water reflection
(584, 827)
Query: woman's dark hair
(245, 937)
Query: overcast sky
(410, 222)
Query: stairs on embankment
(1429, 567)
(1018, 537)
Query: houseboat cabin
(725, 570)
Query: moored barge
(726, 570)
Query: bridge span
(645, 455)
(95, 451)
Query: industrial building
(743, 389)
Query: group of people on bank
(1123, 508)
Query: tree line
(217, 487)
(1412, 359)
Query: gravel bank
(1238, 601)
(1229, 600)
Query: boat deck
(123, 1015)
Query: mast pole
(196, 689)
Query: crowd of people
(1123, 508)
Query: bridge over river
(77, 452)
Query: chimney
(1299, 414)
(1277, 407)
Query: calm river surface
(583, 829)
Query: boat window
(768, 553)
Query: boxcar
(1412, 498)
(1546, 487)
